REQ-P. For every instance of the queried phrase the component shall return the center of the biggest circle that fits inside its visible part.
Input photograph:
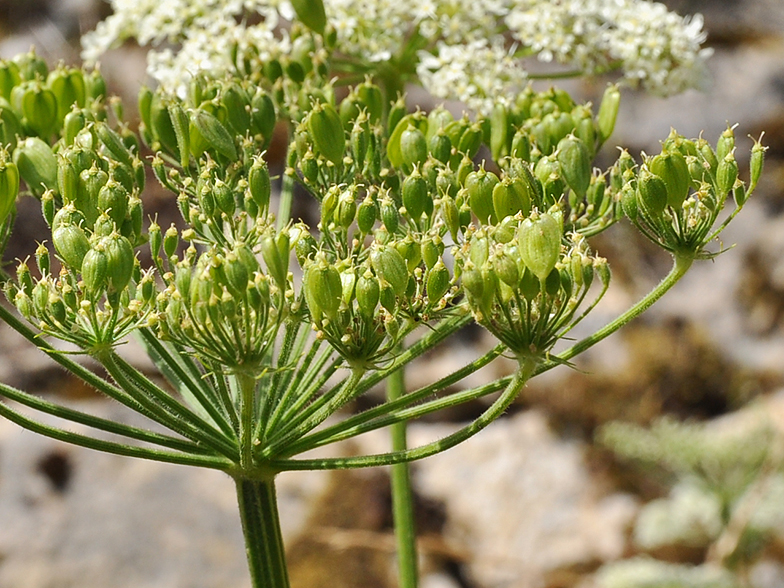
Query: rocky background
(533, 502)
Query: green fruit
(71, 244)
(37, 165)
(214, 133)
(437, 282)
(651, 194)
(413, 146)
(311, 13)
(539, 240)
(326, 130)
(673, 169)
(575, 163)
(390, 265)
(608, 112)
(480, 185)
(9, 186)
(415, 194)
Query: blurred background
(557, 494)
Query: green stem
(402, 496)
(247, 384)
(514, 385)
(286, 197)
(261, 527)
(680, 266)
(204, 461)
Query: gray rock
(95, 520)
(521, 502)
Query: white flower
(479, 73)
(467, 43)
(647, 42)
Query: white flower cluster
(203, 32)
(478, 74)
(649, 43)
(470, 51)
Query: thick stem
(263, 539)
(402, 496)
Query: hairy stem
(261, 528)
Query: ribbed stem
(247, 386)
(263, 539)
(680, 266)
(402, 496)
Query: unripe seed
(120, 259)
(311, 14)
(521, 146)
(413, 146)
(71, 244)
(390, 215)
(304, 246)
(651, 194)
(432, 248)
(629, 202)
(756, 163)
(171, 241)
(90, 183)
(510, 197)
(224, 197)
(113, 199)
(263, 117)
(437, 282)
(39, 110)
(237, 276)
(237, 104)
(390, 266)
(506, 267)
(37, 165)
(9, 186)
(346, 209)
(367, 294)
(366, 215)
(440, 146)
(451, 216)
(372, 99)
(539, 239)
(323, 289)
(360, 139)
(104, 225)
(673, 169)
(326, 130)
(95, 271)
(415, 194)
(275, 251)
(608, 112)
(499, 131)
(472, 281)
(181, 125)
(214, 133)
(471, 140)
(480, 185)
(114, 143)
(726, 144)
(575, 164)
(726, 174)
(156, 240)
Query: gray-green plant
(427, 223)
(725, 485)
